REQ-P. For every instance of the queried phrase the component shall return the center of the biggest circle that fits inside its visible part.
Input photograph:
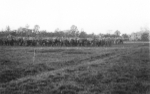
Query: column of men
(66, 42)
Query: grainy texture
(121, 69)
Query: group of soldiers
(64, 42)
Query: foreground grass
(86, 71)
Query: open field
(137, 42)
(120, 69)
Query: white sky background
(94, 16)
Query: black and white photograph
(74, 47)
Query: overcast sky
(94, 16)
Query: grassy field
(120, 69)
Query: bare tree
(74, 31)
(117, 33)
(145, 34)
(7, 28)
(57, 30)
(27, 30)
(36, 29)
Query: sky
(93, 16)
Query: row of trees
(22, 29)
(72, 32)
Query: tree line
(142, 35)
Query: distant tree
(125, 36)
(57, 30)
(2, 30)
(43, 33)
(145, 33)
(101, 35)
(144, 29)
(19, 30)
(117, 33)
(27, 31)
(145, 36)
(7, 28)
(13, 33)
(59, 33)
(83, 34)
(36, 29)
(74, 31)
(67, 33)
(62, 34)
(113, 35)
(90, 35)
(73, 28)
(107, 35)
